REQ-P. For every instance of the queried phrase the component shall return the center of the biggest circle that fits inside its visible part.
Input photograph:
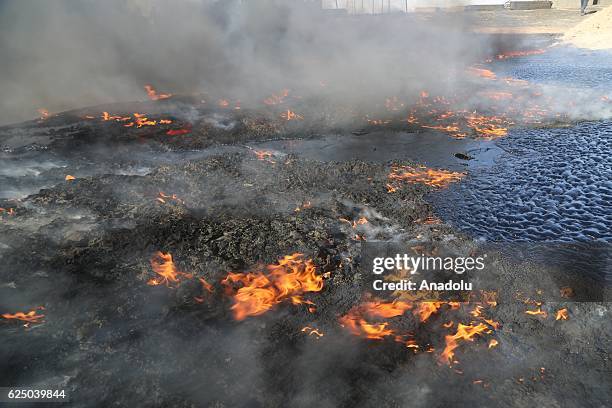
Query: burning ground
(187, 251)
(230, 276)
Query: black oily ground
(550, 185)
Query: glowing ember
(289, 115)
(449, 128)
(153, 95)
(432, 220)
(163, 265)
(44, 114)
(69, 177)
(464, 332)
(312, 332)
(7, 211)
(177, 132)
(223, 103)
(514, 54)
(164, 198)
(288, 279)
(264, 155)
(354, 224)
(493, 343)
(277, 99)
(304, 206)
(379, 121)
(562, 314)
(30, 317)
(394, 104)
(482, 72)
(430, 177)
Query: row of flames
(438, 178)
(420, 174)
(289, 279)
(255, 292)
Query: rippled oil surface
(551, 184)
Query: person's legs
(583, 6)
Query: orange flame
(289, 115)
(10, 211)
(538, 312)
(355, 320)
(141, 120)
(513, 54)
(30, 317)
(163, 265)
(430, 177)
(277, 99)
(449, 128)
(391, 188)
(153, 95)
(426, 309)
(107, 116)
(69, 177)
(562, 314)
(312, 332)
(44, 114)
(163, 198)
(482, 72)
(305, 205)
(177, 132)
(264, 155)
(291, 277)
(207, 287)
(488, 126)
(464, 332)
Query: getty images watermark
(425, 264)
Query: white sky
(401, 4)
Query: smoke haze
(65, 54)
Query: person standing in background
(583, 6)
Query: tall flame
(464, 332)
(289, 278)
(153, 95)
(163, 265)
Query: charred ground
(81, 248)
